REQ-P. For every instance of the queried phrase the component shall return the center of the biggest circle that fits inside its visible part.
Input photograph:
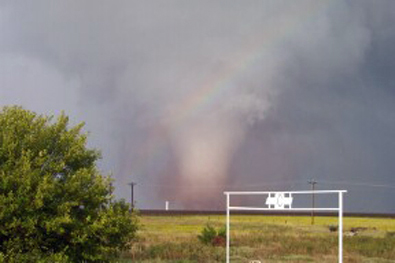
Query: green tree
(55, 206)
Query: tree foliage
(55, 205)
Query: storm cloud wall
(191, 98)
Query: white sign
(279, 200)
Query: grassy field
(165, 239)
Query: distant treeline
(270, 213)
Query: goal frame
(282, 201)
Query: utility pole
(312, 182)
(132, 184)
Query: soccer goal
(282, 201)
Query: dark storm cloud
(334, 122)
(308, 90)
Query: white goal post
(282, 201)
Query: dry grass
(273, 239)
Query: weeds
(172, 239)
(212, 236)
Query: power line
(279, 183)
(359, 184)
(228, 185)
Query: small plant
(207, 235)
(212, 236)
(390, 234)
(222, 232)
(333, 228)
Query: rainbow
(218, 84)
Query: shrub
(332, 228)
(55, 204)
(211, 236)
(390, 234)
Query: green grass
(171, 239)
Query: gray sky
(190, 98)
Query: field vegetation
(165, 239)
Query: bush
(211, 236)
(390, 234)
(332, 228)
(55, 204)
(34, 256)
